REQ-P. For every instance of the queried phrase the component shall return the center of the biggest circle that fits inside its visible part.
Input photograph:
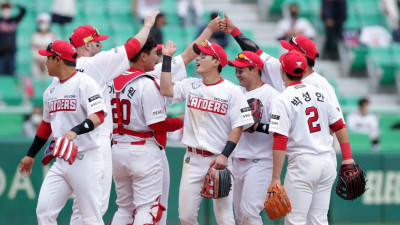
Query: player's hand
(25, 166)
(169, 48)
(273, 182)
(220, 162)
(349, 161)
(70, 135)
(229, 27)
(150, 19)
(213, 25)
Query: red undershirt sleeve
(100, 114)
(44, 130)
(168, 125)
(280, 142)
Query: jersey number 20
(125, 108)
(312, 121)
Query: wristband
(84, 127)
(166, 65)
(346, 151)
(263, 128)
(37, 144)
(230, 145)
(236, 32)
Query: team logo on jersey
(91, 99)
(246, 112)
(275, 117)
(187, 160)
(195, 86)
(52, 89)
(62, 105)
(207, 105)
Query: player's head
(60, 54)
(363, 104)
(147, 57)
(293, 66)
(294, 10)
(248, 68)
(211, 57)
(6, 10)
(303, 45)
(86, 39)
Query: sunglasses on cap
(241, 57)
(207, 43)
(293, 41)
(89, 38)
(49, 48)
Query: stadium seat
(10, 90)
(11, 124)
(386, 121)
(381, 67)
(389, 141)
(359, 142)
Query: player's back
(303, 113)
(140, 104)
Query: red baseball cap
(302, 44)
(212, 49)
(247, 58)
(61, 49)
(293, 60)
(84, 34)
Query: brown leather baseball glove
(217, 183)
(278, 205)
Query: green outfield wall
(18, 195)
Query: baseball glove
(278, 205)
(256, 111)
(62, 148)
(350, 187)
(217, 183)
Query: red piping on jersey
(68, 77)
(346, 151)
(295, 83)
(262, 84)
(338, 125)
(168, 125)
(100, 114)
(44, 130)
(280, 142)
(122, 80)
(220, 81)
(132, 47)
(236, 31)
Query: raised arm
(213, 26)
(166, 85)
(227, 26)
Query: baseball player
(140, 127)
(73, 108)
(215, 113)
(103, 67)
(178, 70)
(271, 70)
(252, 160)
(301, 119)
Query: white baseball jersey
(211, 112)
(303, 113)
(257, 145)
(141, 104)
(103, 68)
(271, 72)
(67, 104)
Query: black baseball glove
(351, 182)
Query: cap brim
(44, 52)
(236, 63)
(287, 45)
(101, 37)
(198, 48)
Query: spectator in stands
(142, 8)
(40, 39)
(293, 26)
(334, 14)
(63, 11)
(183, 8)
(32, 123)
(156, 30)
(362, 121)
(8, 29)
(219, 37)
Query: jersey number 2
(312, 125)
(125, 107)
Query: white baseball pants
(84, 179)
(165, 188)
(193, 173)
(138, 177)
(308, 184)
(252, 179)
(105, 148)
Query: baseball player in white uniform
(252, 159)
(178, 70)
(301, 119)
(73, 108)
(271, 69)
(103, 67)
(215, 113)
(140, 127)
